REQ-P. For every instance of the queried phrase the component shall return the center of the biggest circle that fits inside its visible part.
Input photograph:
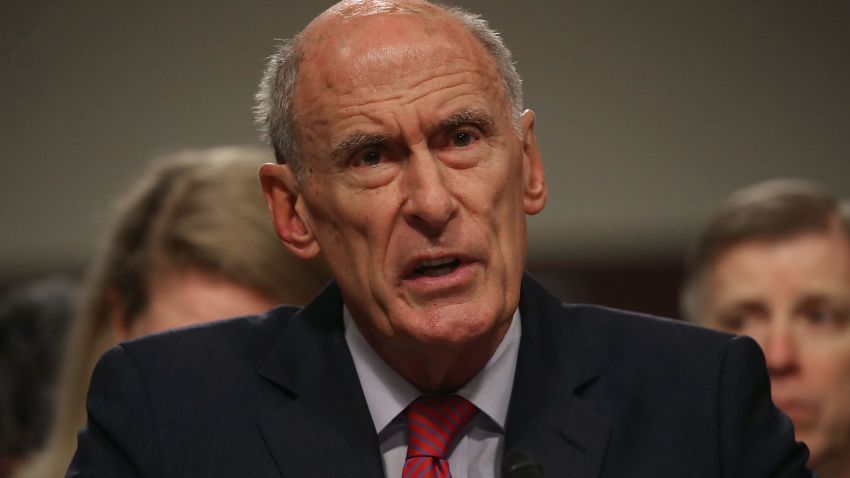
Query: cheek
(507, 213)
(836, 398)
(491, 190)
(495, 204)
(140, 326)
(354, 233)
(154, 320)
(829, 370)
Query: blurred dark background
(648, 113)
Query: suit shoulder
(630, 323)
(223, 338)
(660, 341)
(604, 328)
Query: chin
(455, 324)
(815, 444)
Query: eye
(819, 316)
(372, 158)
(461, 139)
(732, 323)
(825, 318)
(369, 158)
(744, 318)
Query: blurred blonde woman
(191, 242)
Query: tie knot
(434, 422)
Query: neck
(838, 468)
(440, 368)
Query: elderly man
(405, 157)
(774, 264)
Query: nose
(429, 204)
(780, 350)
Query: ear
(533, 178)
(288, 212)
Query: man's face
(793, 297)
(416, 183)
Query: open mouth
(436, 267)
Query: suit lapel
(547, 417)
(315, 419)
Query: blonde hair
(200, 209)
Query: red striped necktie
(433, 424)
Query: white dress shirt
(478, 452)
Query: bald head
(350, 9)
(377, 26)
(358, 38)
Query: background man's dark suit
(278, 396)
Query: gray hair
(275, 111)
(773, 211)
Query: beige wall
(648, 112)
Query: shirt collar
(388, 393)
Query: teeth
(435, 262)
(436, 267)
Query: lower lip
(453, 282)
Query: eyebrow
(355, 141)
(821, 299)
(744, 306)
(472, 116)
(359, 140)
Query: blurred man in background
(774, 264)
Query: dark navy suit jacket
(597, 393)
